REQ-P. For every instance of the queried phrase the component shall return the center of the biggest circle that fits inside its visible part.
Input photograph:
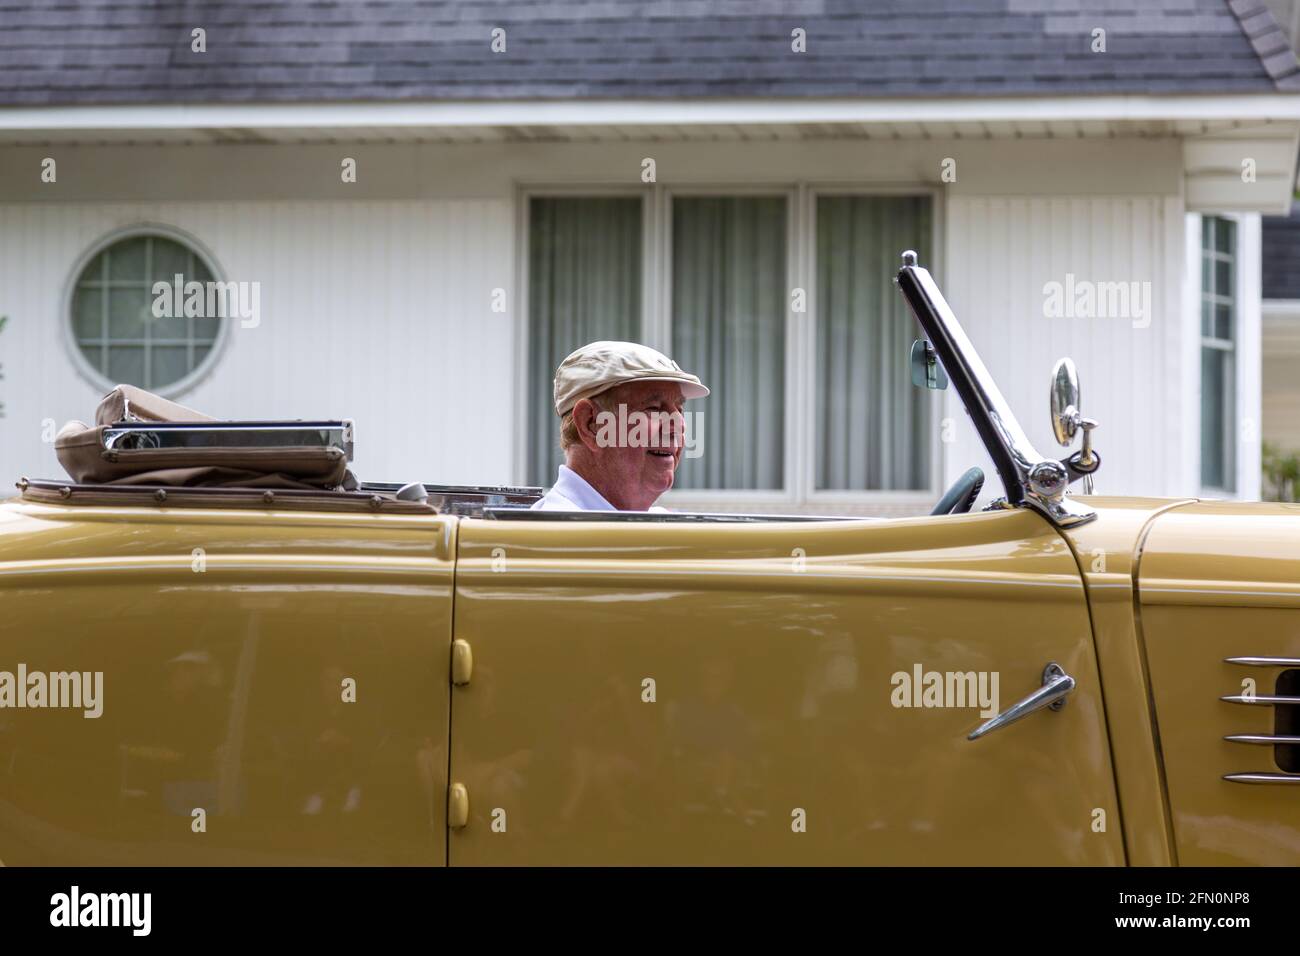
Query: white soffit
(654, 112)
(1248, 169)
(17, 134)
(1239, 151)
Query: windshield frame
(1027, 475)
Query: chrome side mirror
(1065, 402)
(1068, 421)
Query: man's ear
(585, 414)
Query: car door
(695, 693)
(271, 688)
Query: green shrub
(1281, 473)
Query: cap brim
(689, 389)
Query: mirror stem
(1085, 453)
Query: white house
(430, 205)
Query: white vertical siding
(380, 311)
(1280, 372)
(1001, 252)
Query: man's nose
(676, 425)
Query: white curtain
(584, 285)
(872, 423)
(728, 314)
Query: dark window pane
(1211, 418)
(87, 313)
(1225, 238)
(170, 364)
(126, 260)
(1223, 322)
(1217, 433)
(584, 285)
(128, 312)
(1223, 278)
(205, 329)
(1218, 424)
(872, 423)
(729, 308)
(169, 327)
(199, 271)
(126, 365)
(170, 258)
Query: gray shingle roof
(139, 51)
(1281, 255)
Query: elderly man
(621, 427)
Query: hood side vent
(1286, 723)
(1285, 739)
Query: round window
(127, 333)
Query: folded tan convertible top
(127, 403)
(144, 449)
(143, 439)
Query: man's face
(635, 434)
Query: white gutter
(1260, 107)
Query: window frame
(904, 498)
(799, 443)
(197, 248)
(1229, 398)
(524, 194)
(660, 326)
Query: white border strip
(1258, 107)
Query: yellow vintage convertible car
(250, 673)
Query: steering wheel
(958, 499)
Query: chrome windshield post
(1030, 478)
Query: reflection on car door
(274, 688)
(695, 693)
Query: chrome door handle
(1056, 685)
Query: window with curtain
(584, 285)
(729, 302)
(1218, 352)
(872, 424)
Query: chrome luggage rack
(51, 491)
(465, 500)
(122, 436)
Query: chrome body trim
(1056, 685)
(1262, 700)
(1271, 740)
(1263, 778)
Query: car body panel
(1108, 551)
(1220, 580)
(224, 639)
(222, 636)
(772, 649)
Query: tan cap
(600, 366)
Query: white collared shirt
(572, 492)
